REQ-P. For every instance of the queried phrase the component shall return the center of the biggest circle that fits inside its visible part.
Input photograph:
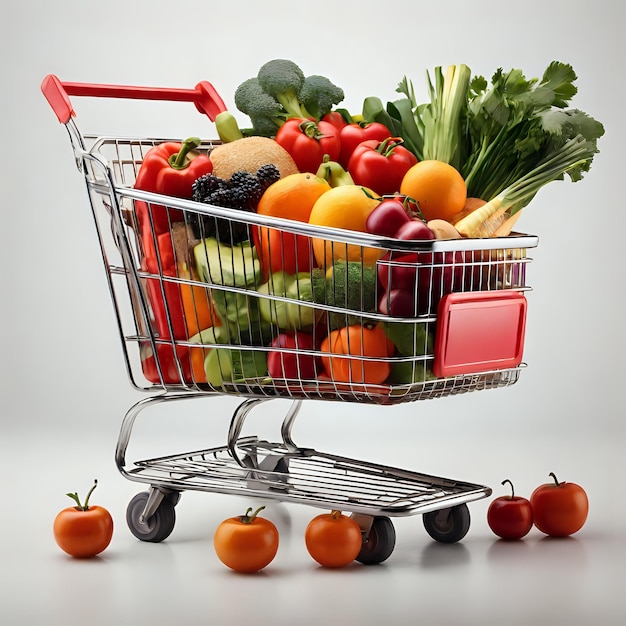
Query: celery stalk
(443, 115)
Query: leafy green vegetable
(410, 339)
(441, 119)
(514, 124)
(414, 341)
(508, 137)
(410, 372)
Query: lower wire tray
(306, 476)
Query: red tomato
(333, 539)
(82, 530)
(351, 135)
(510, 517)
(335, 118)
(295, 365)
(307, 142)
(381, 165)
(560, 509)
(247, 543)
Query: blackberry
(205, 185)
(224, 196)
(242, 191)
(242, 178)
(267, 174)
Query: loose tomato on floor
(246, 543)
(510, 517)
(560, 509)
(333, 539)
(83, 530)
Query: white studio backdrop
(62, 373)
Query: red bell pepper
(166, 364)
(381, 165)
(169, 169)
(351, 135)
(307, 142)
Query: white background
(64, 388)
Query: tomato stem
(247, 518)
(76, 499)
(504, 482)
(556, 482)
(335, 514)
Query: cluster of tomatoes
(246, 543)
(249, 543)
(373, 157)
(556, 509)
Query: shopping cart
(466, 334)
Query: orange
(346, 207)
(438, 188)
(291, 197)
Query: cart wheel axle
(378, 541)
(448, 525)
(157, 526)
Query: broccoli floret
(283, 79)
(318, 95)
(351, 286)
(266, 113)
(264, 126)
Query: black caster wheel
(379, 543)
(159, 525)
(448, 525)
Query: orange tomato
(247, 543)
(291, 197)
(346, 207)
(333, 539)
(83, 531)
(437, 187)
(362, 344)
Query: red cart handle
(204, 96)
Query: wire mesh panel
(346, 315)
